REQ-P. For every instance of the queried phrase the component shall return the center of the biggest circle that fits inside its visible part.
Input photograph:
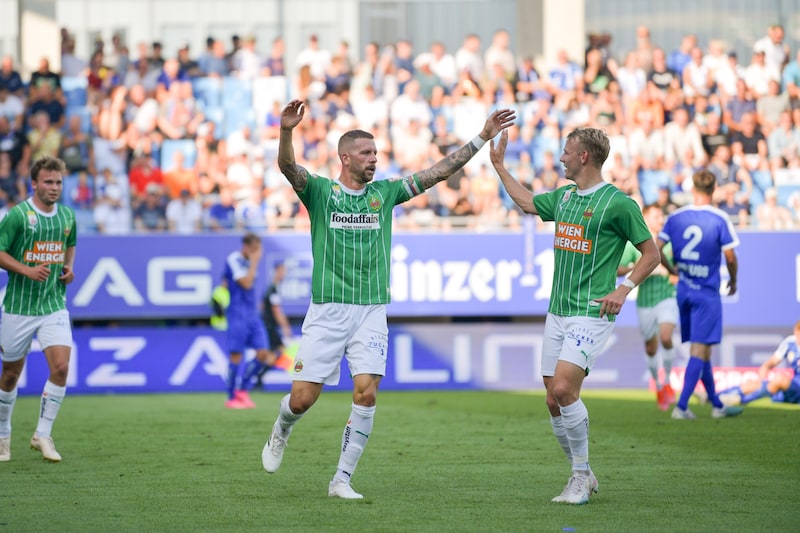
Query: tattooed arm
(441, 170)
(291, 116)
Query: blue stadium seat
(86, 117)
(236, 93)
(75, 90)
(236, 119)
(168, 149)
(207, 91)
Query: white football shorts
(17, 331)
(332, 330)
(650, 318)
(576, 339)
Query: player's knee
(58, 372)
(564, 393)
(9, 378)
(366, 398)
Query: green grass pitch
(436, 461)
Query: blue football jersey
(243, 301)
(698, 235)
(790, 353)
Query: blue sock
(708, 383)
(230, 381)
(250, 371)
(690, 378)
(760, 393)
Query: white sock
(286, 418)
(667, 356)
(652, 366)
(561, 435)
(7, 400)
(576, 422)
(52, 397)
(354, 440)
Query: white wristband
(478, 142)
(628, 283)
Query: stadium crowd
(188, 144)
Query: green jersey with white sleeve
(591, 229)
(351, 237)
(656, 287)
(33, 237)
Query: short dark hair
(351, 136)
(47, 163)
(704, 182)
(250, 238)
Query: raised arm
(291, 116)
(441, 170)
(521, 196)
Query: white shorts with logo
(576, 339)
(650, 318)
(332, 330)
(17, 331)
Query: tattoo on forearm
(296, 175)
(447, 166)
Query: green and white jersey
(592, 227)
(32, 238)
(656, 287)
(351, 237)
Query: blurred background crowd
(187, 142)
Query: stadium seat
(236, 93)
(86, 117)
(168, 149)
(208, 92)
(75, 90)
(237, 118)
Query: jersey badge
(566, 196)
(374, 202)
(32, 220)
(589, 212)
(298, 367)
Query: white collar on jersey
(348, 190)
(53, 213)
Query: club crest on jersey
(298, 367)
(374, 202)
(32, 220)
(589, 212)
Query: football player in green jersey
(37, 248)
(593, 222)
(351, 231)
(656, 309)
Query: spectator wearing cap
(150, 216)
(184, 214)
(156, 58)
(186, 64)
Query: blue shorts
(701, 316)
(246, 332)
(790, 395)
